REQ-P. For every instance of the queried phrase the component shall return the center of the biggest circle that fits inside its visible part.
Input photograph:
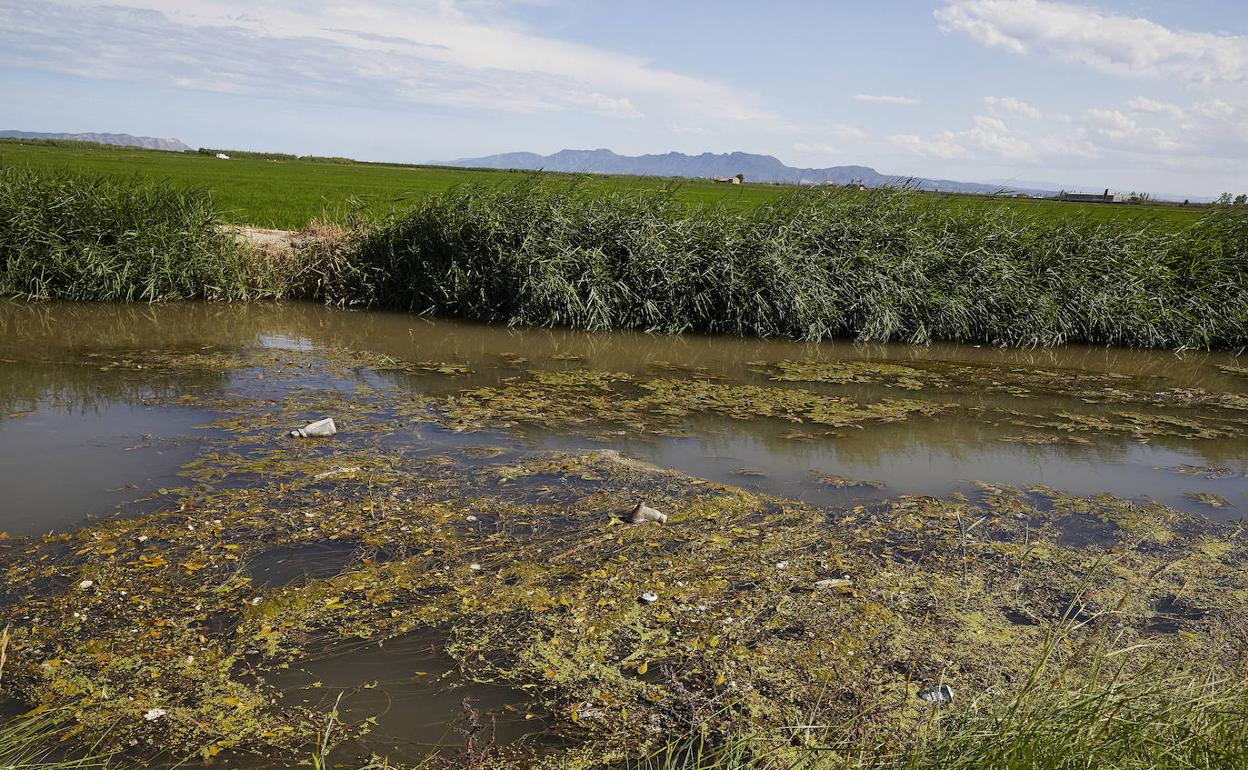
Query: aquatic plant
(744, 616)
(33, 741)
(886, 265)
(79, 237)
(813, 264)
(1152, 720)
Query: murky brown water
(83, 437)
(78, 440)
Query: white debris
(841, 582)
(649, 597)
(153, 714)
(86, 584)
(319, 429)
(941, 694)
(337, 470)
(643, 513)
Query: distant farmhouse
(1104, 197)
(738, 179)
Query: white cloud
(1008, 105)
(372, 52)
(945, 146)
(1141, 133)
(842, 131)
(677, 128)
(1107, 41)
(1117, 127)
(990, 138)
(1152, 106)
(816, 148)
(903, 101)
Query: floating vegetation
(442, 367)
(742, 614)
(856, 372)
(1209, 499)
(540, 592)
(1142, 425)
(1045, 439)
(695, 372)
(568, 399)
(841, 482)
(511, 360)
(1210, 472)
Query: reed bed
(81, 237)
(885, 265)
(888, 265)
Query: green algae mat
(443, 570)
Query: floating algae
(1209, 499)
(1210, 472)
(569, 399)
(841, 482)
(519, 564)
(539, 591)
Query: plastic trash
(649, 597)
(643, 513)
(337, 470)
(841, 582)
(941, 694)
(318, 429)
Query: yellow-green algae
(566, 399)
(770, 612)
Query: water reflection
(81, 434)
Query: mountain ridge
(755, 167)
(116, 140)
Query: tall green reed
(882, 265)
(885, 265)
(78, 237)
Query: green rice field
(287, 194)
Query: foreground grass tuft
(1144, 721)
(33, 742)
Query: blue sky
(1145, 95)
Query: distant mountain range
(118, 140)
(756, 168)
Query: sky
(1135, 95)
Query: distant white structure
(738, 179)
(1105, 197)
(223, 156)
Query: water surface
(104, 411)
(79, 438)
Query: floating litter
(643, 513)
(318, 429)
(941, 694)
(841, 582)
